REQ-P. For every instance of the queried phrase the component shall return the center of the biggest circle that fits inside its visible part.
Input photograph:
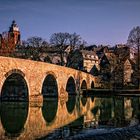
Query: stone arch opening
(70, 86)
(71, 89)
(50, 87)
(84, 85)
(14, 88)
(50, 98)
(92, 85)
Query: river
(70, 118)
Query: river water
(77, 117)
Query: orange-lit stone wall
(35, 72)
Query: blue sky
(97, 21)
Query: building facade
(83, 60)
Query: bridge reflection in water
(13, 117)
(20, 121)
(59, 118)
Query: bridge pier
(36, 100)
(63, 94)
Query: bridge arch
(15, 86)
(18, 71)
(84, 84)
(49, 85)
(71, 86)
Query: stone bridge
(34, 74)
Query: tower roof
(13, 27)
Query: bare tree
(134, 40)
(75, 41)
(32, 47)
(35, 41)
(59, 39)
(0, 41)
(62, 40)
(134, 43)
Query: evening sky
(97, 21)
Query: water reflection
(128, 110)
(67, 130)
(49, 109)
(70, 104)
(116, 111)
(13, 117)
(92, 98)
(83, 100)
(105, 109)
(55, 120)
(135, 105)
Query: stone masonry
(34, 73)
